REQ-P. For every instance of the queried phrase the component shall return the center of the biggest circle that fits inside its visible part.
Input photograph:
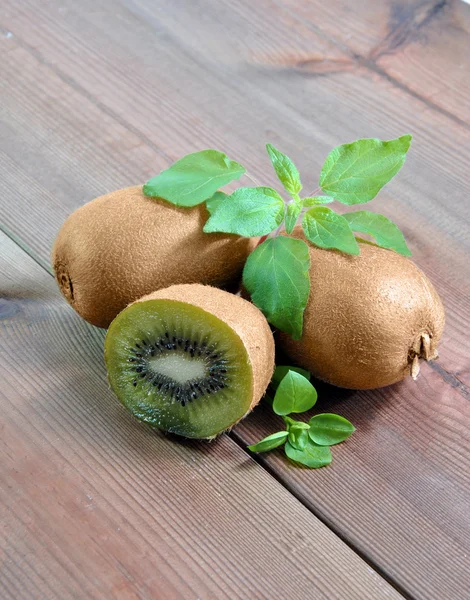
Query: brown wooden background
(97, 95)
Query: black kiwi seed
(190, 391)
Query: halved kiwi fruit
(190, 359)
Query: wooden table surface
(100, 94)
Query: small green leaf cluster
(276, 274)
(304, 443)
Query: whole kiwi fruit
(190, 359)
(123, 245)
(368, 320)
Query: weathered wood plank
(174, 78)
(95, 505)
(421, 45)
(57, 145)
(398, 489)
(428, 51)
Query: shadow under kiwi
(360, 405)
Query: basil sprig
(304, 443)
(276, 273)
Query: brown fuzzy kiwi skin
(123, 245)
(368, 320)
(243, 317)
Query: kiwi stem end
(426, 351)
(415, 367)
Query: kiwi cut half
(183, 369)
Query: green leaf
(315, 200)
(213, 202)
(386, 233)
(355, 173)
(325, 228)
(312, 456)
(293, 212)
(281, 371)
(270, 442)
(295, 394)
(298, 437)
(248, 211)
(285, 170)
(328, 429)
(194, 178)
(276, 277)
(293, 423)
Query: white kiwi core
(178, 367)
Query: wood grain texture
(97, 505)
(399, 488)
(421, 45)
(94, 99)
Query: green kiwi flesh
(179, 368)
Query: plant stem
(277, 231)
(315, 192)
(253, 179)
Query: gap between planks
(321, 517)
